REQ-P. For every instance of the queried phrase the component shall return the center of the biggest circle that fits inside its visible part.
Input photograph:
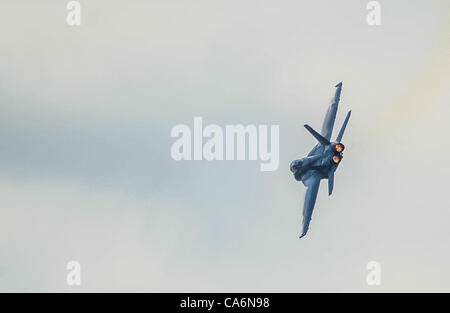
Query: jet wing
(312, 184)
(330, 117)
(328, 123)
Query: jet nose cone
(292, 166)
(295, 165)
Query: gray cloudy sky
(85, 166)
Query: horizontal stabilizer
(331, 181)
(322, 140)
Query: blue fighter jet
(322, 161)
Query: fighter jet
(322, 161)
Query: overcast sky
(85, 166)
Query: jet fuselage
(321, 163)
